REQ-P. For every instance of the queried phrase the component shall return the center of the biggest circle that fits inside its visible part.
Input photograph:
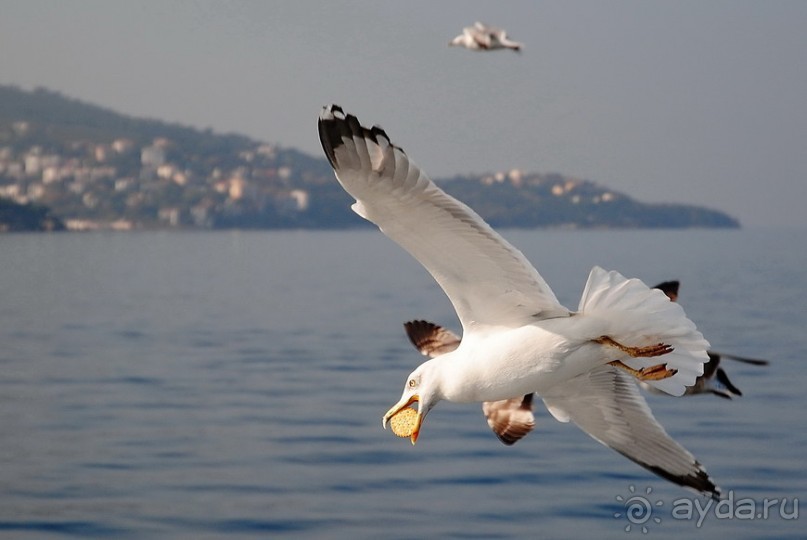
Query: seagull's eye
(412, 383)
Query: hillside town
(121, 185)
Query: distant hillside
(67, 120)
(517, 199)
(95, 168)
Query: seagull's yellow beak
(405, 402)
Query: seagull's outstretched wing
(431, 339)
(606, 404)
(487, 280)
(742, 359)
(510, 419)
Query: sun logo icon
(638, 510)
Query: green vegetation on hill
(95, 168)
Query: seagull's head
(422, 387)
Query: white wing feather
(606, 404)
(486, 279)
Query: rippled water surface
(210, 385)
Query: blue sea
(231, 385)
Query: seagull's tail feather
(637, 315)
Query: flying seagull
(517, 338)
(714, 380)
(482, 37)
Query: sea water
(231, 384)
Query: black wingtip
(329, 132)
(699, 481)
(335, 125)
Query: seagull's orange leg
(650, 373)
(636, 352)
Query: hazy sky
(697, 101)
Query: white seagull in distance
(482, 37)
(517, 338)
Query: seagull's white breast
(504, 363)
